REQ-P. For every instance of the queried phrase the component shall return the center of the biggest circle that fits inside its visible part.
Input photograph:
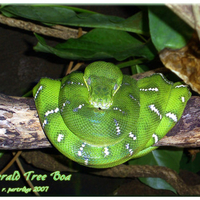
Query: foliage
(162, 157)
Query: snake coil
(102, 118)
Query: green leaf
(160, 157)
(188, 164)
(99, 44)
(157, 183)
(8, 14)
(131, 62)
(1, 153)
(136, 69)
(28, 94)
(56, 14)
(167, 29)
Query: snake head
(103, 80)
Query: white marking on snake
(60, 137)
(39, 89)
(79, 107)
(106, 151)
(116, 108)
(134, 99)
(155, 138)
(127, 146)
(48, 113)
(130, 150)
(149, 89)
(183, 99)
(51, 112)
(86, 161)
(170, 83)
(71, 83)
(117, 127)
(81, 149)
(172, 116)
(63, 85)
(64, 104)
(154, 109)
(79, 153)
(131, 135)
(44, 123)
(178, 86)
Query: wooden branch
(165, 173)
(186, 133)
(19, 124)
(54, 31)
(20, 127)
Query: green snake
(102, 118)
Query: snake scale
(102, 118)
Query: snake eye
(89, 81)
(115, 87)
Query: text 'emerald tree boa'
(102, 118)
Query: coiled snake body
(103, 118)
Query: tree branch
(19, 124)
(20, 127)
(165, 173)
(54, 31)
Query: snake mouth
(101, 105)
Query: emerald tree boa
(102, 118)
